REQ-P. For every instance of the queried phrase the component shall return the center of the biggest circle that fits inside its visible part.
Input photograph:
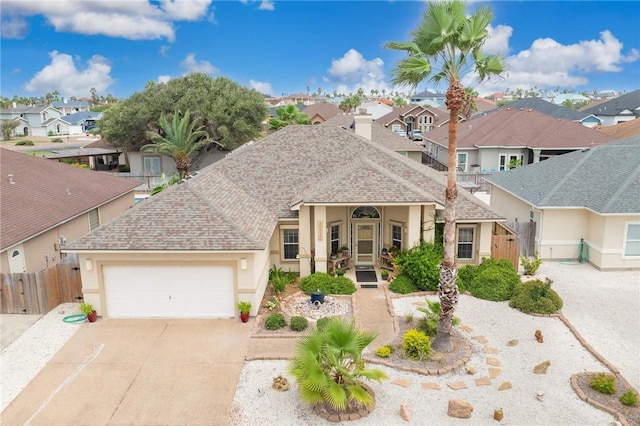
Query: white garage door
(169, 291)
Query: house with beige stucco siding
(46, 205)
(585, 204)
(287, 201)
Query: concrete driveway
(138, 372)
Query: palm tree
(328, 366)
(448, 38)
(180, 141)
(287, 116)
(469, 106)
(7, 127)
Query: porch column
(484, 240)
(320, 235)
(304, 240)
(536, 155)
(428, 223)
(412, 233)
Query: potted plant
(244, 308)
(384, 274)
(87, 309)
(345, 251)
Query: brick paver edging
(574, 384)
(344, 417)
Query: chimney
(363, 123)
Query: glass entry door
(365, 240)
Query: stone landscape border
(574, 384)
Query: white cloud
(353, 71)
(164, 78)
(266, 5)
(190, 64)
(132, 19)
(261, 86)
(498, 40)
(164, 50)
(14, 27)
(63, 75)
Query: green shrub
(629, 398)
(530, 264)
(322, 322)
(24, 143)
(124, 168)
(275, 321)
(429, 323)
(272, 303)
(416, 345)
(384, 351)
(340, 272)
(535, 297)
(603, 383)
(57, 140)
(420, 264)
(280, 279)
(327, 284)
(491, 280)
(402, 284)
(298, 323)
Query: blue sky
(281, 47)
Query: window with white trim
(632, 240)
(505, 159)
(94, 219)
(462, 161)
(396, 235)
(334, 239)
(465, 242)
(289, 244)
(151, 165)
(396, 127)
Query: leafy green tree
(7, 127)
(287, 116)
(329, 367)
(229, 113)
(180, 139)
(448, 38)
(399, 101)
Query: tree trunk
(447, 287)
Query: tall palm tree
(180, 141)
(469, 106)
(448, 38)
(287, 116)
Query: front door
(16, 260)
(365, 240)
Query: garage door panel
(135, 291)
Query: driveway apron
(138, 372)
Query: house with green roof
(586, 204)
(288, 201)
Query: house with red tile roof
(493, 141)
(46, 205)
(287, 201)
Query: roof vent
(530, 110)
(11, 181)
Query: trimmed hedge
(402, 284)
(420, 264)
(536, 297)
(327, 284)
(491, 280)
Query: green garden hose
(75, 319)
(583, 251)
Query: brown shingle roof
(621, 130)
(324, 110)
(236, 203)
(520, 128)
(46, 193)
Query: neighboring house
(99, 155)
(287, 201)
(617, 110)
(319, 113)
(377, 133)
(377, 108)
(491, 142)
(82, 122)
(552, 110)
(36, 120)
(45, 204)
(622, 130)
(67, 107)
(297, 98)
(412, 117)
(588, 196)
(561, 98)
(428, 98)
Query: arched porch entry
(365, 234)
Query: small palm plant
(329, 367)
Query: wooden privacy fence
(527, 232)
(505, 244)
(36, 293)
